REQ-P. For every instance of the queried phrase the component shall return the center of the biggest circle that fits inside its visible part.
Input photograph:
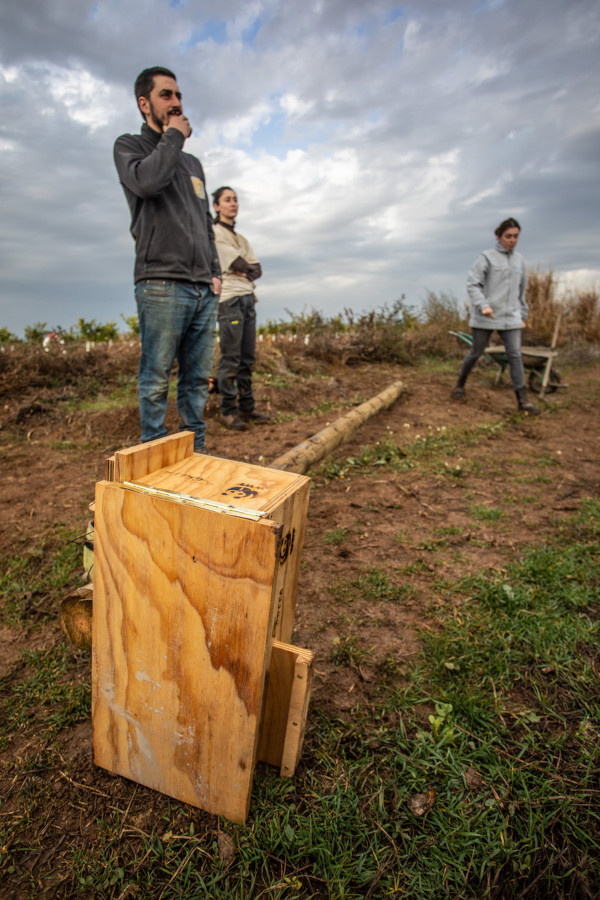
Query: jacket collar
(151, 133)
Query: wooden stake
(548, 367)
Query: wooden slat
(286, 704)
(135, 462)
(184, 609)
(297, 712)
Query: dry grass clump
(544, 306)
(580, 324)
(26, 366)
(440, 314)
(583, 316)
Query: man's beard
(155, 118)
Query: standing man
(177, 274)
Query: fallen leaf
(226, 849)
(419, 804)
(473, 779)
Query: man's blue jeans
(177, 321)
(512, 344)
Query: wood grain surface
(184, 609)
(286, 705)
(134, 462)
(283, 496)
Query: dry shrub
(544, 306)
(580, 323)
(583, 316)
(24, 367)
(373, 336)
(440, 315)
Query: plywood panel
(184, 609)
(283, 496)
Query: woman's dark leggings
(512, 344)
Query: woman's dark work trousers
(512, 344)
(237, 338)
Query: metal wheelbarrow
(543, 377)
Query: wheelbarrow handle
(463, 337)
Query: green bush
(34, 334)
(94, 331)
(7, 337)
(132, 322)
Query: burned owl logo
(241, 492)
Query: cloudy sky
(374, 145)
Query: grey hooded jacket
(498, 279)
(170, 214)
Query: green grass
(123, 395)
(348, 651)
(486, 513)
(372, 585)
(336, 535)
(432, 449)
(35, 578)
(45, 692)
(476, 775)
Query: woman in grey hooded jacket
(496, 288)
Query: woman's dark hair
(145, 82)
(504, 226)
(216, 195)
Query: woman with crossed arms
(236, 316)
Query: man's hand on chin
(181, 123)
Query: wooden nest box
(196, 563)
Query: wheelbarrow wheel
(536, 378)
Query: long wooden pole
(301, 457)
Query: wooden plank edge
(298, 713)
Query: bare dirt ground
(534, 468)
(428, 523)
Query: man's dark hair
(145, 82)
(504, 226)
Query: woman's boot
(525, 404)
(458, 391)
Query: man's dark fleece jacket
(170, 214)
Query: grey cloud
(510, 91)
